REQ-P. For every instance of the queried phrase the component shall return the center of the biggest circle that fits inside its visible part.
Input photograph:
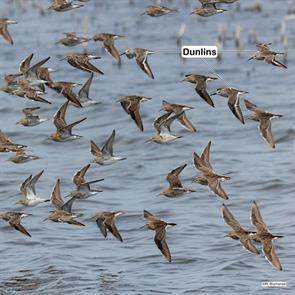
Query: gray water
(64, 259)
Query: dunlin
(30, 118)
(83, 94)
(63, 5)
(175, 188)
(64, 130)
(30, 94)
(265, 53)
(106, 222)
(264, 119)
(238, 232)
(157, 10)
(131, 105)
(105, 156)
(164, 121)
(265, 237)
(14, 220)
(159, 226)
(63, 211)
(233, 102)
(107, 40)
(4, 22)
(201, 85)
(66, 89)
(21, 157)
(71, 39)
(141, 56)
(81, 61)
(7, 145)
(28, 191)
(209, 177)
(208, 8)
(83, 189)
(30, 72)
(176, 109)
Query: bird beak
(215, 93)
(250, 58)
(94, 57)
(122, 53)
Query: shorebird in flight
(64, 130)
(175, 188)
(238, 232)
(131, 105)
(201, 86)
(106, 222)
(159, 226)
(28, 191)
(141, 57)
(264, 119)
(268, 55)
(105, 156)
(208, 176)
(264, 237)
(14, 219)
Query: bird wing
(84, 91)
(173, 177)
(268, 250)
(184, 121)
(33, 182)
(59, 116)
(143, 64)
(215, 187)
(205, 156)
(25, 64)
(78, 178)
(101, 226)
(24, 185)
(265, 128)
(201, 90)
(108, 146)
(4, 32)
(247, 244)
(94, 149)
(111, 226)
(160, 240)
(234, 105)
(256, 219)
(200, 164)
(108, 44)
(56, 198)
(230, 220)
(135, 115)
(15, 222)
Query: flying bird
(159, 226)
(131, 104)
(208, 176)
(175, 188)
(265, 237)
(264, 119)
(201, 86)
(106, 222)
(141, 56)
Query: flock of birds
(31, 82)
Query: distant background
(63, 259)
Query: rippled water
(60, 258)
